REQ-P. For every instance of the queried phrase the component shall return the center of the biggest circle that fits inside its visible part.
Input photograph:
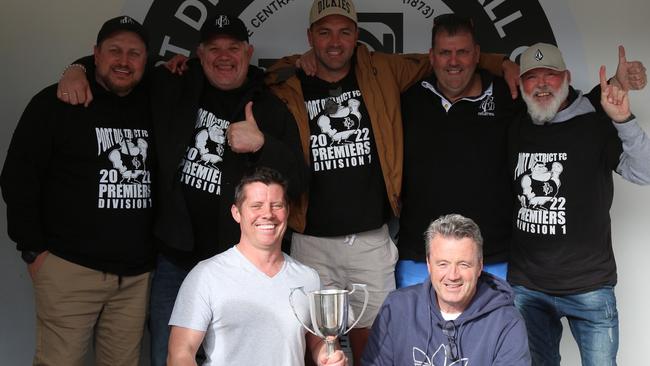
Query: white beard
(539, 113)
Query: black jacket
(175, 101)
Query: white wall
(602, 25)
(38, 38)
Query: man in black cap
(212, 124)
(84, 230)
(217, 121)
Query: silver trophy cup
(329, 312)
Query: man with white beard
(562, 263)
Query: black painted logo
(502, 26)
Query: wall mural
(278, 27)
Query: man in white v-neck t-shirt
(237, 303)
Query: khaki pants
(74, 302)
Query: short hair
(452, 24)
(264, 175)
(457, 227)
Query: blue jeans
(592, 316)
(408, 272)
(166, 282)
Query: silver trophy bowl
(329, 311)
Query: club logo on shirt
(200, 166)
(340, 139)
(125, 181)
(542, 206)
(486, 108)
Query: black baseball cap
(224, 24)
(122, 23)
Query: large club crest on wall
(278, 27)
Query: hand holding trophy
(329, 312)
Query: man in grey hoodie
(563, 151)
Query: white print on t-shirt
(200, 165)
(487, 106)
(543, 207)
(441, 357)
(124, 180)
(341, 141)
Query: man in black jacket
(77, 183)
(217, 120)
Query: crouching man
(461, 316)
(237, 302)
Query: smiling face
(225, 61)
(262, 216)
(545, 92)
(455, 267)
(333, 39)
(120, 62)
(454, 59)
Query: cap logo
(341, 4)
(539, 55)
(222, 21)
(126, 20)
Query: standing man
(349, 119)
(77, 183)
(456, 122)
(352, 137)
(460, 316)
(562, 154)
(237, 302)
(216, 121)
(211, 124)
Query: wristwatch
(29, 256)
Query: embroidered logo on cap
(539, 55)
(222, 21)
(127, 20)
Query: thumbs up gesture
(630, 75)
(614, 100)
(244, 136)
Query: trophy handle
(365, 303)
(301, 289)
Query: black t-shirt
(201, 171)
(77, 181)
(563, 183)
(347, 192)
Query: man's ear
(311, 44)
(96, 52)
(235, 213)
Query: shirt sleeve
(282, 149)
(512, 347)
(192, 307)
(634, 162)
(24, 175)
(379, 350)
